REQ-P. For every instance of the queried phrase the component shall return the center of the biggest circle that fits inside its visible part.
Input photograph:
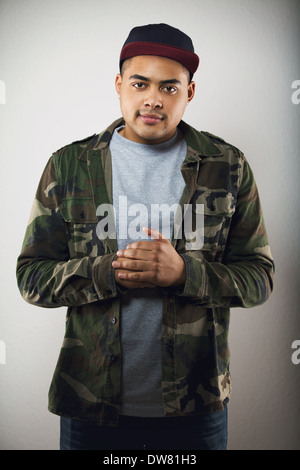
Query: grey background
(58, 60)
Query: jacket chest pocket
(79, 214)
(216, 209)
(219, 207)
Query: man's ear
(191, 91)
(118, 82)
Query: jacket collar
(199, 144)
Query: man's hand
(129, 284)
(149, 263)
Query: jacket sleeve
(244, 278)
(46, 275)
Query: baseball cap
(160, 40)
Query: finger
(135, 276)
(153, 233)
(137, 250)
(134, 284)
(146, 245)
(131, 264)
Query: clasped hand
(149, 263)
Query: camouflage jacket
(64, 263)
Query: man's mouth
(150, 118)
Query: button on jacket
(64, 263)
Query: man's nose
(153, 100)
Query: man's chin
(146, 134)
(152, 132)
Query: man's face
(154, 92)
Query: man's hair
(126, 62)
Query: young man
(148, 232)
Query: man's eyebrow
(139, 77)
(172, 81)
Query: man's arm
(244, 278)
(45, 273)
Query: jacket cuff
(104, 277)
(194, 278)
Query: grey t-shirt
(143, 178)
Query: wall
(57, 67)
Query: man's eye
(170, 89)
(139, 85)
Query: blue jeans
(205, 432)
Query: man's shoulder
(209, 144)
(99, 141)
(223, 144)
(214, 138)
(68, 160)
(77, 146)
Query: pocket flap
(218, 203)
(79, 210)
